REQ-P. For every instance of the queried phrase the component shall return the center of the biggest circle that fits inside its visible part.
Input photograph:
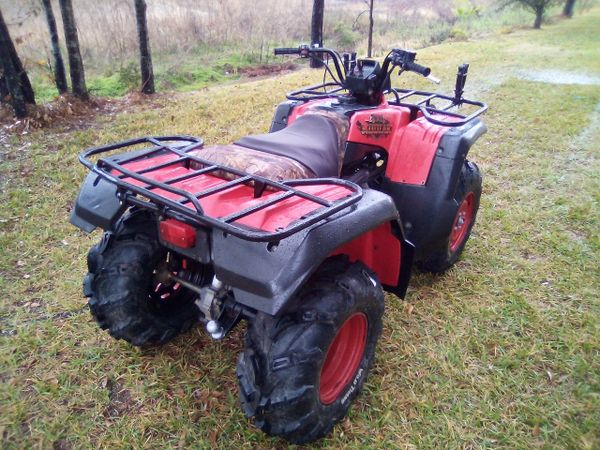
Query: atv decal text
(376, 126)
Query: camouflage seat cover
(254, 162)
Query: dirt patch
(62, 444)
(65, 110)
(558, 77)
(70, 113)
(589, 134)
(268, 69)
(119, 399)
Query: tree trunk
(19, 70)
(568, 9)
(75, 62)
(12, 85)
(60, 77)
(145, 56)
(370, 41)
(539, 16)
(316, 29)
(14, 79)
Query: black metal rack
(316, 92)
(181, 146)
(421, 101)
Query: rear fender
(97, 205)
(265, 276)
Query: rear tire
(300, 372)
(468, 194)
(124, 296)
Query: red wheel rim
(343, 358)
(462, 222)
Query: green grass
(503, 351)
(194, 70)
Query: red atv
(298, 231)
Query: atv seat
(254, 162)
(314, 140)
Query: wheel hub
(462, 222)
(173, 276)
(343, 358)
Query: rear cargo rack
(421, 101)
(112, 169)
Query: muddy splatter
(120, 400)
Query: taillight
(177, 233)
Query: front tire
(300, 372)
(468, 194)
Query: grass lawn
(502, 351)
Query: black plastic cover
(265, 276)
(282, 113)
(97, 205)
(362, 80)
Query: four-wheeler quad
(298, 231)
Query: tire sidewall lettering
(353, 386)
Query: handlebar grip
(287, 51)
(414, 67)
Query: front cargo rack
(188, 207)
(421, 101)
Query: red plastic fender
(379, 250)
(411, 146)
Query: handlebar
(414, 67)
(405, 59)
(305, 51)
(287, 51)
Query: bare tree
(316, 28)
(144, 41)
(536, 6)
(568, 9)
(60, 77)
(370, 40)
(75, 61)
(369, 10)
(14, 81)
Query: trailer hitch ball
(215, 329)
